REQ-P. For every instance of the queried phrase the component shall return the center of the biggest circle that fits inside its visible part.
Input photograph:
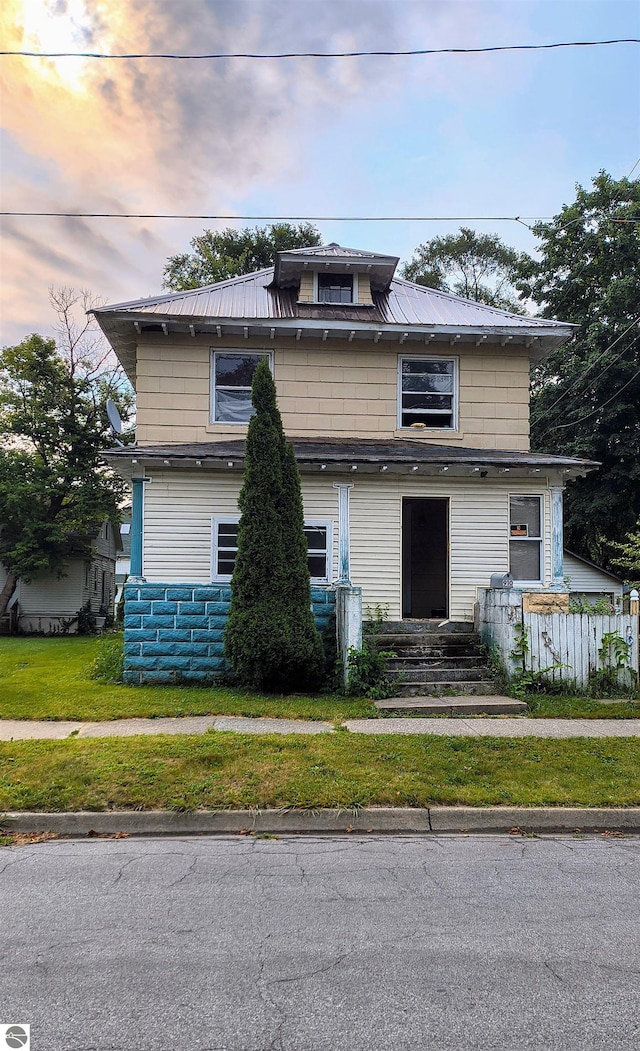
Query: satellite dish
(114, 416)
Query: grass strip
(227, 770)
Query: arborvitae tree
(271, 639)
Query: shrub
(109, 661)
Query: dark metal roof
(347, 452)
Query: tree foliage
(586, 396)
(476, 266)
(228, 253)
(271, 639)
(53, 487)
(627, 554)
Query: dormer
(334, 276)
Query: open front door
(425, 558)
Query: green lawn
(48, 678)
(228, 770)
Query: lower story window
(525, 538)
(225, 549)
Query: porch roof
(397, 455)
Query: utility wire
(563, 426)
(536, 419)
(328, 54)
(309, 218)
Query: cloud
(161, 136)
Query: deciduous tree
(586, 396)
(476, 266)
(217, 256)
(53, 425)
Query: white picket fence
(570, 645)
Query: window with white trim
(427, 392)
(231, 378)
(319, 535)
(525, 538)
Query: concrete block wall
(173, 632)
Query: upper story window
(428, 392)
(336, 288)
(231, 377)
(525, 538)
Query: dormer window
(336, 288)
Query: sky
(503, 134)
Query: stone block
(159, 649)
(216, 623)
(191, 649)
(141, 663)
(192, 609)
(155, 622)
(174, 635)
(153, 593)
(217, 609)
(195, 676)
(138, 607)
(179, 594)
(197, 623)
(133, 678)
(140, 635)
(209, 664)
(132, 649)
(206, 594)
(173, 663)
(545, 602)
(216, 650)
(214, 635)
(157, 678)
(131, 593)
(164, 609)
(132, 621)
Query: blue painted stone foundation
(173, 632)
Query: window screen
(232, 378)
(525, 541)
(428, 392)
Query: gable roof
(254, 304)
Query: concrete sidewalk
(23, 730)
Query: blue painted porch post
(557, 538)
(344, 567)
(136, 528)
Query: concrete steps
(450, 706)
(439, 660)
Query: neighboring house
(123, 557)
(50, 604)
(591, 583)
(408, 409)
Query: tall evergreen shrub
(271, 639)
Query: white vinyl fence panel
(566, 645)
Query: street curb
(317, 822)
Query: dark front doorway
(425, 558)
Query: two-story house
(409, 412)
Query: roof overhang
(351, 456)
(124, 329)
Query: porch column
(135, 569)
(557, 539)
(344, 561)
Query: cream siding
(305, 294)
(179, 507)
(365, 298)
(331, 389)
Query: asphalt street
(362, 943)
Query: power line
(301, 218)
(327, 54)
(563, 426)
(536, 419)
